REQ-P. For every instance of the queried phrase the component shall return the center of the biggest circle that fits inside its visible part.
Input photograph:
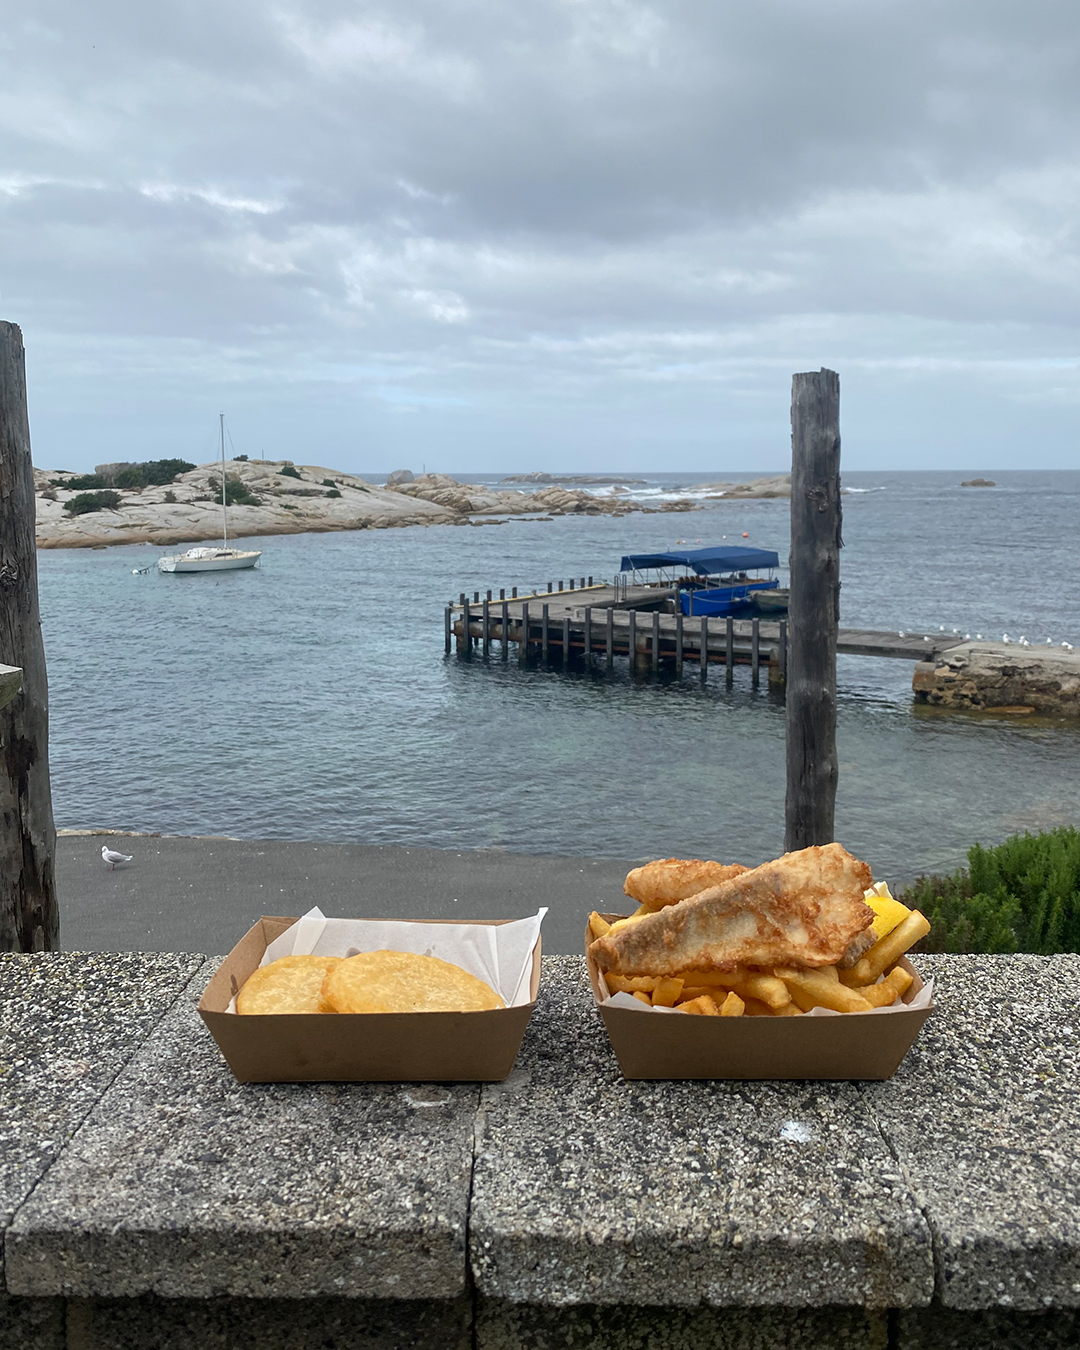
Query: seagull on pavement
(110, 856)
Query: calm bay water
(310, 699)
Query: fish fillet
(803, 909)
(669, 880)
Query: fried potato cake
(669, 880)
(396, 982)
(292, 984)
(803, 909)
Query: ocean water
(311, 699)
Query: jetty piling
(29, 917)
(755, 651)
(814, 609)
(729, 650)
(505, 628)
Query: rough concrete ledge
(134, 1168)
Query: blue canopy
(707, 562)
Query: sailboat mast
(224, 515)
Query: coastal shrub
(81, 482)
(1022, 896)
(289, 506)
(151, 473)
(49, 494)
(328, 482)
(92, 501)
(237, 492)
(169, 497)
(333, 493)
(288, 471)
(241, 459)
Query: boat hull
(230, 564)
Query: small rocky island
(131, 504)
(979, 482)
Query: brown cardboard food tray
(430, 1047)
(849, 1046)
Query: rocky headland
(279, 497)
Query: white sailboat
(213, 559)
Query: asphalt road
(202, 895)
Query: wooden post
(655, 641)
(502, 592)
(505, 629)
(590, 581)
(755, 651)
(476, 597)
(448, 622)
(465, 642)
(729, 650)
(703, 648)
(782, 655)
(631, 647)
(513, 593)
(544, 631)
(550, 584)
(588, 633)
(523, 640)
(29, 919)
(566, 640)
(814, 609)
(610, 638)
(485, 626)
(678, 643)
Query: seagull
(1006, 638)
(941, 628)
(1049, 642)
(967, 637)
(901, 633)
(110, 856)
(926, 639)
(978, 636)
(1068, 646)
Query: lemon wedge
(888, 913)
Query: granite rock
(590, 1189)
(523, 1326)
(32, 1324)
(938, 1328)
(984, 1117)
(151, 1323)
(68, 1025)
(184, 1183)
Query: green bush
(328, 482)
(92, 501)
(240, 458)
(236, 492)
(151, 473)
(1022, 896)
(289, 472)
(81, 482)
(333, 493)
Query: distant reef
(280, 497)
(582, 479)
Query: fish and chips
(807, 930)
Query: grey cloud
(468, 205)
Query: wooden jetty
(628, 621)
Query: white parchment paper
(499, 954)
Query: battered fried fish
(669, 880)
(803, 909)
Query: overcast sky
(591, 234)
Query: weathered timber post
(505, 629)
(588, 633)
(755, 650)
(610, 638)
(703, 648)
(485, 626)
(464, 647)
(523, 640)
(729, 650)
(566, 642)
(813, 609)
(655, 646)
(678, 643)
(448, 625)
(29, 920)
